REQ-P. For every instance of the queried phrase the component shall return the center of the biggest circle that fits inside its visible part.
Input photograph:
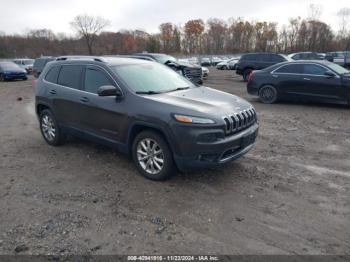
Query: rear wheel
(246, 74)
(152, 156)
(268, 94)
(49, 128)
(2, 78)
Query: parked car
(205, 61)
(255, 61)
(26, 64)
(40, 63)
(228, 64)
(193, 60)
(340, 57)
(307, 56)
(190, 71)
(314, 80)
(215, 60)
(205, 72)
(11, 71)
(146, 110)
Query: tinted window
(52, 75)
(39, 62)
(264, 57)
(250, 57)
(70, 76)
(290, 69)
(311, 69)
(94, 79)
(276, 58)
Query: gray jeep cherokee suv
(144, 109)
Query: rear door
(102, 116)
(289, 79)
(66, 94)
(316, 85)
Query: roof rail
(72, 57)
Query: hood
(202, 101)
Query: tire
(48, 123)
(150, 165)
(268, 94)
(2, 78)
(25, 78)
(224, 68)
(246, 74)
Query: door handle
(53, 92)
(307, 79)
(84, 99)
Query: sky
(18, 16)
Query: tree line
(215, 36)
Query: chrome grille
(193, 74)
(239, 121)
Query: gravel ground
(289, 195)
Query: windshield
(164, 58)
(10, 66)
(151, 77)
(338, 69)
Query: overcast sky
(17, 16)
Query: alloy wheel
(48, 127)
(150, 156)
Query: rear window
(290, 69)
(70, 76)
(52, 75)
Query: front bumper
(204, 155)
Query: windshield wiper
(178, 89)
(150, 92)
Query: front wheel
(268, 94)
(152, 156)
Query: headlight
(193, 119)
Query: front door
(101, 116)
(316, 85)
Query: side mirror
(330, 74)
(109, 91)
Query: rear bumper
(253, 88)
(227, 150)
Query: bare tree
(315, 12)
(88, 27)
(344, 22)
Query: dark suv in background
(40, 63)
(144, 109)
(256, 61)
(188, 70)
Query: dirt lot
(289, 195)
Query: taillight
(250, 77)
(34, 83)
